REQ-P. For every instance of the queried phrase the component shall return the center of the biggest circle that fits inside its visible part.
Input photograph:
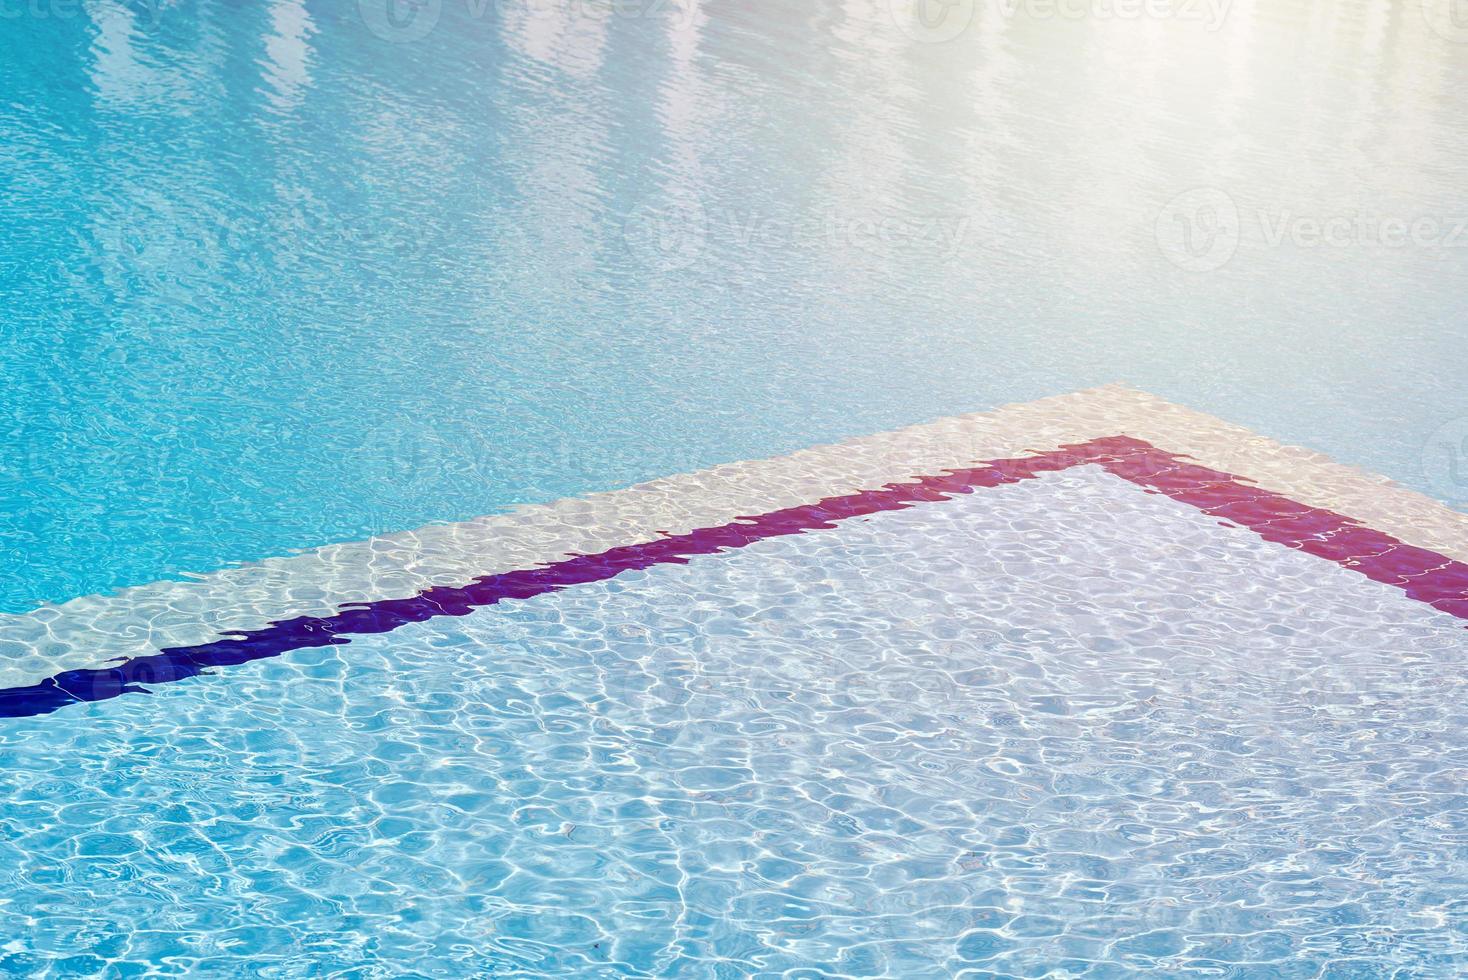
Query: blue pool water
(285, 273)
(269, 280)
(914, 746)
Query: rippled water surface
(292, 272)
(273, 275)
(960, 739)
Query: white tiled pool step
(93, 630)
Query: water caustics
(328, 642)
(991, 731)
(272, 280)
(1421, 574)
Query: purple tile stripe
(1423, 575)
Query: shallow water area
(339, 635)
(998, 733)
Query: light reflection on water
(1055, 728)
(273, 281)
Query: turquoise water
(964, 739)
(284, 273)
(270, 281)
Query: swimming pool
(1030, 692)
(272, 282)
(428, 551)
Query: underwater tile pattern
(1059, 725)
(1423, 575)
(92, 631)
(1094, 686)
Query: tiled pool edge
(1421, 574)
(138, 622)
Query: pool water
(271, 280)
(282, 276)
(964, 738)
